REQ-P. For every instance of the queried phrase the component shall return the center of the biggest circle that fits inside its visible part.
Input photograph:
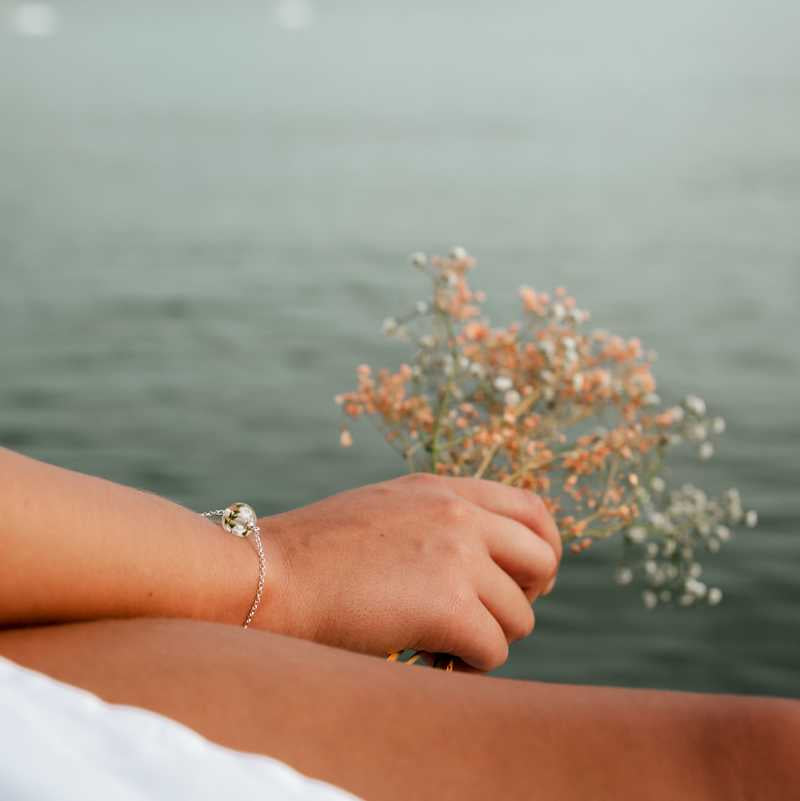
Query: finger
(479, 639)
(528, 560)
(506, 601)
(521, 505)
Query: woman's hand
(449, 565)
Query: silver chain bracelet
(240, 520)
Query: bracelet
(240, 520)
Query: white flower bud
(637, 535)
(696, 405)
(677, 414)
(419, 259)
(623, 576)
(697, 432)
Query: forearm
(76, 547)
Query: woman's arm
(448, 565)
(75, 547)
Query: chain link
(253, 529)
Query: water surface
(205, 214)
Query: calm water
(205, 214)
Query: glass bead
(239, 519)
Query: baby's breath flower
(706, 451)
(522, 404)
(677, 414)
(695, 587)
(623, 576)
(637, 534)
(696, 405)
(696, 432)
(751, 519)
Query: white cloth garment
(59, 743)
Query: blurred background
(206, 210)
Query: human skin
(446, 565)
(434, 564)
(388, 732)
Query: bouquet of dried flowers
(565, 412)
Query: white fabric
(61, 743)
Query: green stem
(437, 424)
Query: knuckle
(452, 509)
(420, 480)
(495, 653)
(538, 506)
(530, 623)
(522, 625)
(549, 563)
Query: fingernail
(550, 584)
